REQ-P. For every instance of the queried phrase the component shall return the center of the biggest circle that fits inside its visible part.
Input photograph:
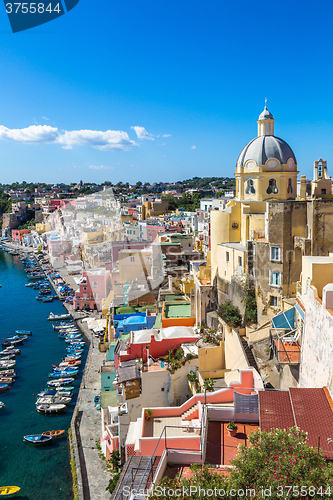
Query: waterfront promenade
(86, 422)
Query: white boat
(50, 400)
(5, 365)
(52, 408)
(56, 317)
(2, 405)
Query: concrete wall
(235, 357)
(317, 345)
(212, 358)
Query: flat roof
(175, 310)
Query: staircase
(249, 354)
(191, 413)
(137, 473)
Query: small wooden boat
(8, 352)
(54, 434)
(2, 405)
(50, 400)
(29, 284)
(24, 332)
(8, 491)
(52, 408)
(71, 373)
(4, 387)
(6, 380)
(37, 439)
(56, 317)
(59, 382)
(4, 365)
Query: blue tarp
(285, 319)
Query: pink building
(94, 286)
(17, 234)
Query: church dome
(264, 147)
(266, 115)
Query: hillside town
(210, 305)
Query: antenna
(265, 102)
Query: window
(275, 278)
(274, 301)
(290, 186)
(132, 259)
(275, 253)
(250, 187)
(94, 284)
(240, 261)
(227, 256)
(272, 187)
(323, 191)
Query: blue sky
(166, 89)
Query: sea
(41, 472)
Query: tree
(278, 459)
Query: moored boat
(23, 332)
(4, 387)
(59, 382)
(37, 439)
(63, 373)
(55, 317)
(8, 491)
(55, 434)
(52, 408)
(2, 405)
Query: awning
(285, 320)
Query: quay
(92, 476)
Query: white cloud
(166, 135)
(193, 147)
(142, 133)
(45, 134)
(105, 141)
(32, 134)
(100, 167)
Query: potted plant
(148, 414)
(232, 428)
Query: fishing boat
(23, 332)
(29, 284)
(4, 387)
(50, 400)
(6, 380)
(37, 439)
(52, 408)
(59, 382)
(56, 317)
(66, 364)
(22, 338)
(54, 434)
(47, 299)
(5, 365)
(8, 491)
(8, 352)
(2, 405)
(63, 373)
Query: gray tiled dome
(264, 147)
(265, 115)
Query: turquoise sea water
(41, 472)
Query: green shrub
(230, 314)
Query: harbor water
(41, 472)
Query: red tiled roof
(310, 409)
(275, 410)
(313, 414)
